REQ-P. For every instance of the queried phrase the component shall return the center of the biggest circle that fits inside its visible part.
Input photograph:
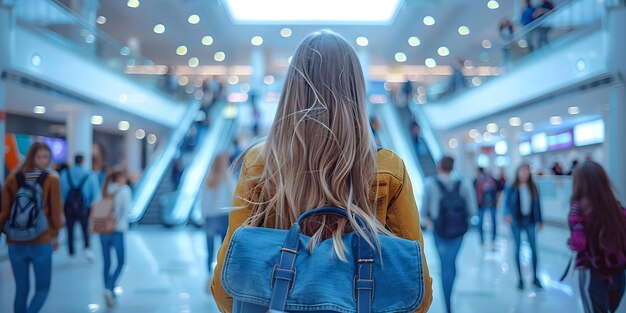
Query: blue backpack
(27, 220)
(271, 270)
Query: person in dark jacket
(522, 210)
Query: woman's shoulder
(388, 162)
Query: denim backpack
(27, 220)
(271, 270)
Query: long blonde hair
(320, 149)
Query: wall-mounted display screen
(562, 140)
(525, 148)
(539, 142)
(589, 133)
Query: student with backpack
(486, 188)
(522, 210)
(598, 236)
(80, 189)
(448, 204)
(109, 218)
(317, 209)
(31, 218)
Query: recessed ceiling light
(464, 30)
(522, 43)
(453, 143)
(556, 120)
(181, 50)
(152, 139)
(414, 41)
(125, 51)
(233, 79)
(193, 62)
(133, 3)
(515, 121)
(268, 80)
(97, 120)
(193, 19)
(493, 4)
(528, 127)
(430, 62)
(123, 126)
(219, 56)
(468, 64)
(429, 20)
(256, 40)
(400, 57)
(285, 32)
(90, 38)
(35, 59)
(492, 127)
(159, 28)
(140, 134)
(581, 65)
(473, 133)
(476, 81)
(207, 40)
(101, 20)
(183, 80)
(443, 51)
(362, 41)
(39, 109)
(487, 136)
(486, 44)
(573, 110)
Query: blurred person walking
(522, 210)
(110, 219)
(80, 189)
(543, 30)
(598, 236)
(486, 188)
(448, 204)
(216, 199)
(31, 217)
(528, 13)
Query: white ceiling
(125, 23)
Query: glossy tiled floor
(166, 273)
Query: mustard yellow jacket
(396, 209)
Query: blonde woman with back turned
(320, 151)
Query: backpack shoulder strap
(69, 178)
(441, 186)
(457, 186)
(83, 181)
(20, 178)
(42, 178)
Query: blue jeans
(110, 241)
(448, 250)
(217, 225)
(481, 219)
(21, 257)
(524, 226)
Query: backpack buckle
(283, 274)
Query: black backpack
(27, 220)
(452, 220)
(75, 202)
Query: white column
(617, 103)
(257, 61)
(512, 142)
(79, 136)
(133, 152)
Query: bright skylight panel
(313, 11)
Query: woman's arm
(55, 204)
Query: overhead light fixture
(453, 143)
(313, 11)
(473, 133)
(124, 51)
(39, 109)
(573, 110)
(487, 136)
(468, 64)
(522, 43)
(528, 127)
(97, 119)
(183, 80)
(256, 40)
(429, 20)
(233, 79)
(414, 41)
(486, 44)
(35, 59)
(193, 62)
(181, 50)
(151, 139)
(285, 32)
(140, 134)
(581, 65)
(492, 127)
(219, 56)
(515, 121)
(123, 125)
(101, 20)
(133, 4)
(193, 19)
(430, 62)
(464, 30)
(400, 57)
(159, 28)
(362, 41)
(476, 81)
(556, 120)
(493, 4)
(207, 40)
(268, 80)
(443, 51)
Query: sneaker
(537, 283)
(520, 285)
(109, 299)
(89, 255)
